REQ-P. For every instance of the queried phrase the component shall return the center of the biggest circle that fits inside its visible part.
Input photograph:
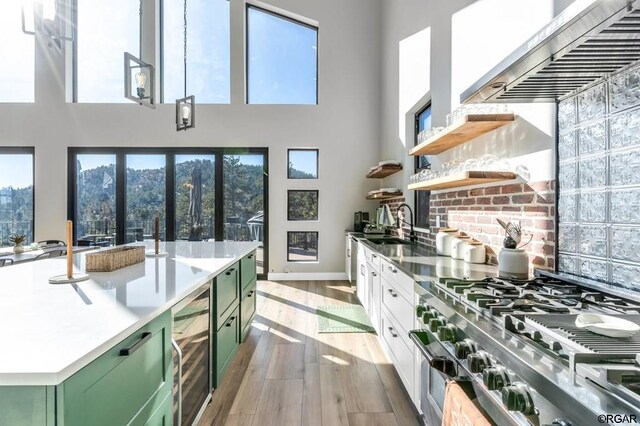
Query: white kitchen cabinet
(398, 312)
(399, 348)
(374, 296)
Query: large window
(208, 50)
(17, 53)
(422, 198)
(16, 193)
(105, 30)
(282, 59)
(116, 194)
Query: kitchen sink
(387, 240)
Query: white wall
(344, 126)
(458, 41)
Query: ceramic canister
(457, 246)
(474, 252)
(443, 241)
(513, 263)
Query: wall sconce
(185, 113)
(139, 81)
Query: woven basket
(110, 260)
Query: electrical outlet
(438, 221)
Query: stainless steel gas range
(514, 346)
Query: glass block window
(599, 181)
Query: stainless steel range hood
(588, 40)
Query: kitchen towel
(459, 409)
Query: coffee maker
(360, 219)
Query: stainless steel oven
(191, 342)
(437, 368)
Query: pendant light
(185, 107)
(139, 76)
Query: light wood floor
(287, 374)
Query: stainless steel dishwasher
(354, 261)
(191, 364)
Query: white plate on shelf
(390, 190)
(606, 325)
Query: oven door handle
(441, 363)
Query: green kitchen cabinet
(27, 405)
(122, 383)
(226, 342)
(226, 295)
(160, 413)
(247, 311)
(247, 273)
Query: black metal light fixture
(139, 76)
(186, 106)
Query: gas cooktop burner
(498, 296)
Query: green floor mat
(343, 319)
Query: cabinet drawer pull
(392, 269)
(128, 351)
(348, 252)
(250, 293)
(229, 271)
(374, 256)
(231, 320)
(392, 293)
(374, 274)
(362, 270)
(393, 333)
(250, 256)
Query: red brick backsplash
(475, 211)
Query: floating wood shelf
(472, 126)
(462, 179)
(384, 171)
(384, 195)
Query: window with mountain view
(195, 197)
(95, 183)
(200, 194)
(146, 176)
(282, 59)
(16, 194)
(303, 164)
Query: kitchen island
(56, 333)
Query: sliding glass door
(244, 200)
(95, 192)
(200, 194)
(195, 197)
(145, 196)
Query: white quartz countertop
(49, 332)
